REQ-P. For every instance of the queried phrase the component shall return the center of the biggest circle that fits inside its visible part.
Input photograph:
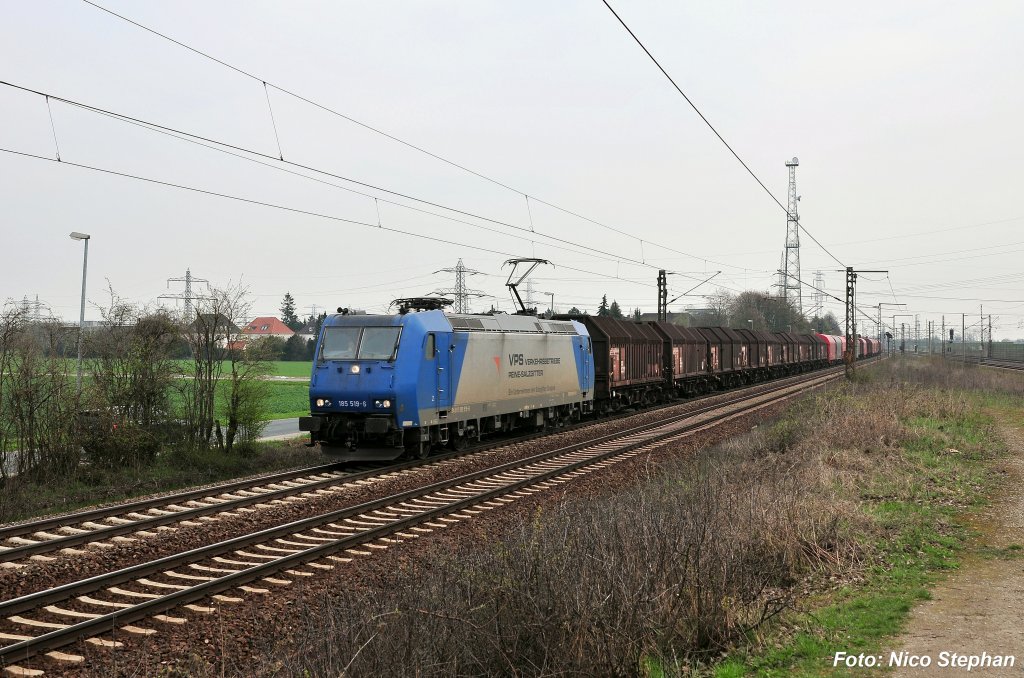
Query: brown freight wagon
(685, 358)
(799, 351)
(765, 352)
(726, 354)
(627, 361)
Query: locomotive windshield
(340, 343)
(379, 343)
(364, 343)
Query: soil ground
(979, 608)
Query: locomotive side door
(585, 360)
(442, 371)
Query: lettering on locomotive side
(518, 374)
(519, 360)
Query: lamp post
(75, 235)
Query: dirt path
(980, 608)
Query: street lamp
(75, 235)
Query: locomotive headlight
(354, 369)
(386, 403)
(319, 402)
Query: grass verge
(948, 470)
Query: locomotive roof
(434, 321)
(510, 323)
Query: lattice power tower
(791, 289)
(819, 295)
(460, 291)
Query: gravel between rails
(237, 637)
(38, 574)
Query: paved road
(281, 428)
(10, 462)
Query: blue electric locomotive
(387, 385)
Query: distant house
(214, 325)
(308, 331)
(266, 327)
(211, 329)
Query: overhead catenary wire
(53, 128)
(717, 134)
(286, 208)
(266, 83)
(377, 200)
(224, 146)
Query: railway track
(42, 539)
(1003, 364)
(45, 621)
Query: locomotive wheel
(458, 443)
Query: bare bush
(679, 568)
(133, 373)
(38, 399)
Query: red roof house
(266, 327)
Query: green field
(284, 368)
(288, 400)
(285, 399)
(279, 368)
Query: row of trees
(137, 396)
(762, 312)
(744, 310)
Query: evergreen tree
(575, 311)
(288, 315)
(636, 313)
(614, 310)
(294, 348)
(602, 310)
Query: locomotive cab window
(429, 347)
(339, 343)
(379, 343)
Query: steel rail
(50, 544)
(28, 601)
(100, 624)
(70, 519)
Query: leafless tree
(216, 342)
(247, 394)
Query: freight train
(387, 386)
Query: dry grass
(685, 565)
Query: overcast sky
(907, 119)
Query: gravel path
(978, 609)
